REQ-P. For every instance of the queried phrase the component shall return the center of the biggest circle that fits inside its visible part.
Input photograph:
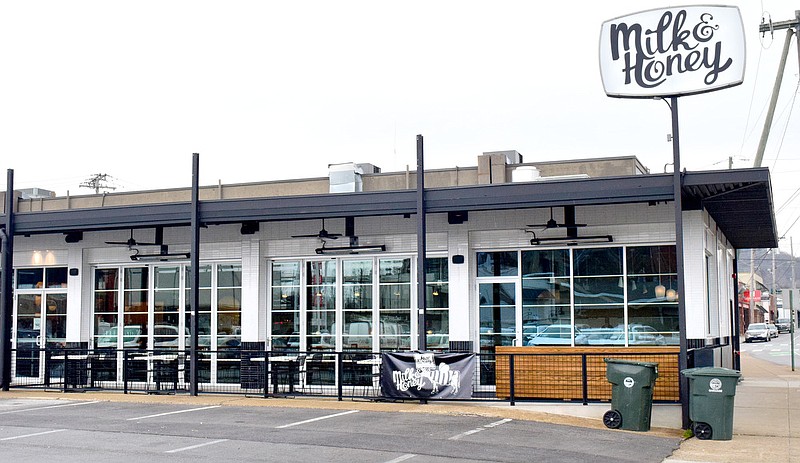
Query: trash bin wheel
(612, 419)
(702, 431)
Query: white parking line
(477, 430)
(316, 419)
(173, 413)
(32, 435)
(74, 404)
(196, 446)
(405, 457)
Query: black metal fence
(576, 377)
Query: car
(773, 330)
(784, 325)
(757, 331)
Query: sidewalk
(766, 420)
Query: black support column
(194, 292)
(421, 231)
(7, 301)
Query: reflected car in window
(557, 335)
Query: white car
(757, 331)
(773, 330)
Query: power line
(97, 182)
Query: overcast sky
(275, 90)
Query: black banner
(427, 375)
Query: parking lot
(37, 429)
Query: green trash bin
(631, 394)
(711, 393)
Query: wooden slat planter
(557, 372)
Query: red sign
(746, 295)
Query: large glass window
(545, 293)
(106, 296)
(166, 307)
(599, 292)
(497, 264)
(155, 313)
(437, 300)
(320, 304)
(652, 298)
(229, 322)
(357, 288)
(394, 315)
(134, 311)
(285, 327)
(609, 295)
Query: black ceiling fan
(131, 242)
(322, 234)
(569, 220)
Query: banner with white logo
(427, 375)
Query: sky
(277, 90)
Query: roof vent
(346, 177)
(525, 174)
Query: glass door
(41, 316)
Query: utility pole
(770, 27)
(773, 293)
(791, 305)
(98, 182)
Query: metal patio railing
(578, 377)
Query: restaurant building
(542, 255)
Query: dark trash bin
(631, 394)
(711, 393)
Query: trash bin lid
(632, 362)
(711, 371)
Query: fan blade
(568, 225)
(315, 235)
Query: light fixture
(350, 249)
(661, 291)
(161, 257)
(672, 295)
(573, 240)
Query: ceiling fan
(569, 220)
(322, 234)
(131, 242)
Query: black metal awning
(739, 201)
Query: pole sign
(672, 51)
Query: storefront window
(496, 264)
(581, 296)
(437, 300)
(545, 292)
(357, 287)
(321, 304)
(134, 312)
(166, 307)
(395, 304)
(653, 308)
(285, 327)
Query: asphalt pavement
(766, 427)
